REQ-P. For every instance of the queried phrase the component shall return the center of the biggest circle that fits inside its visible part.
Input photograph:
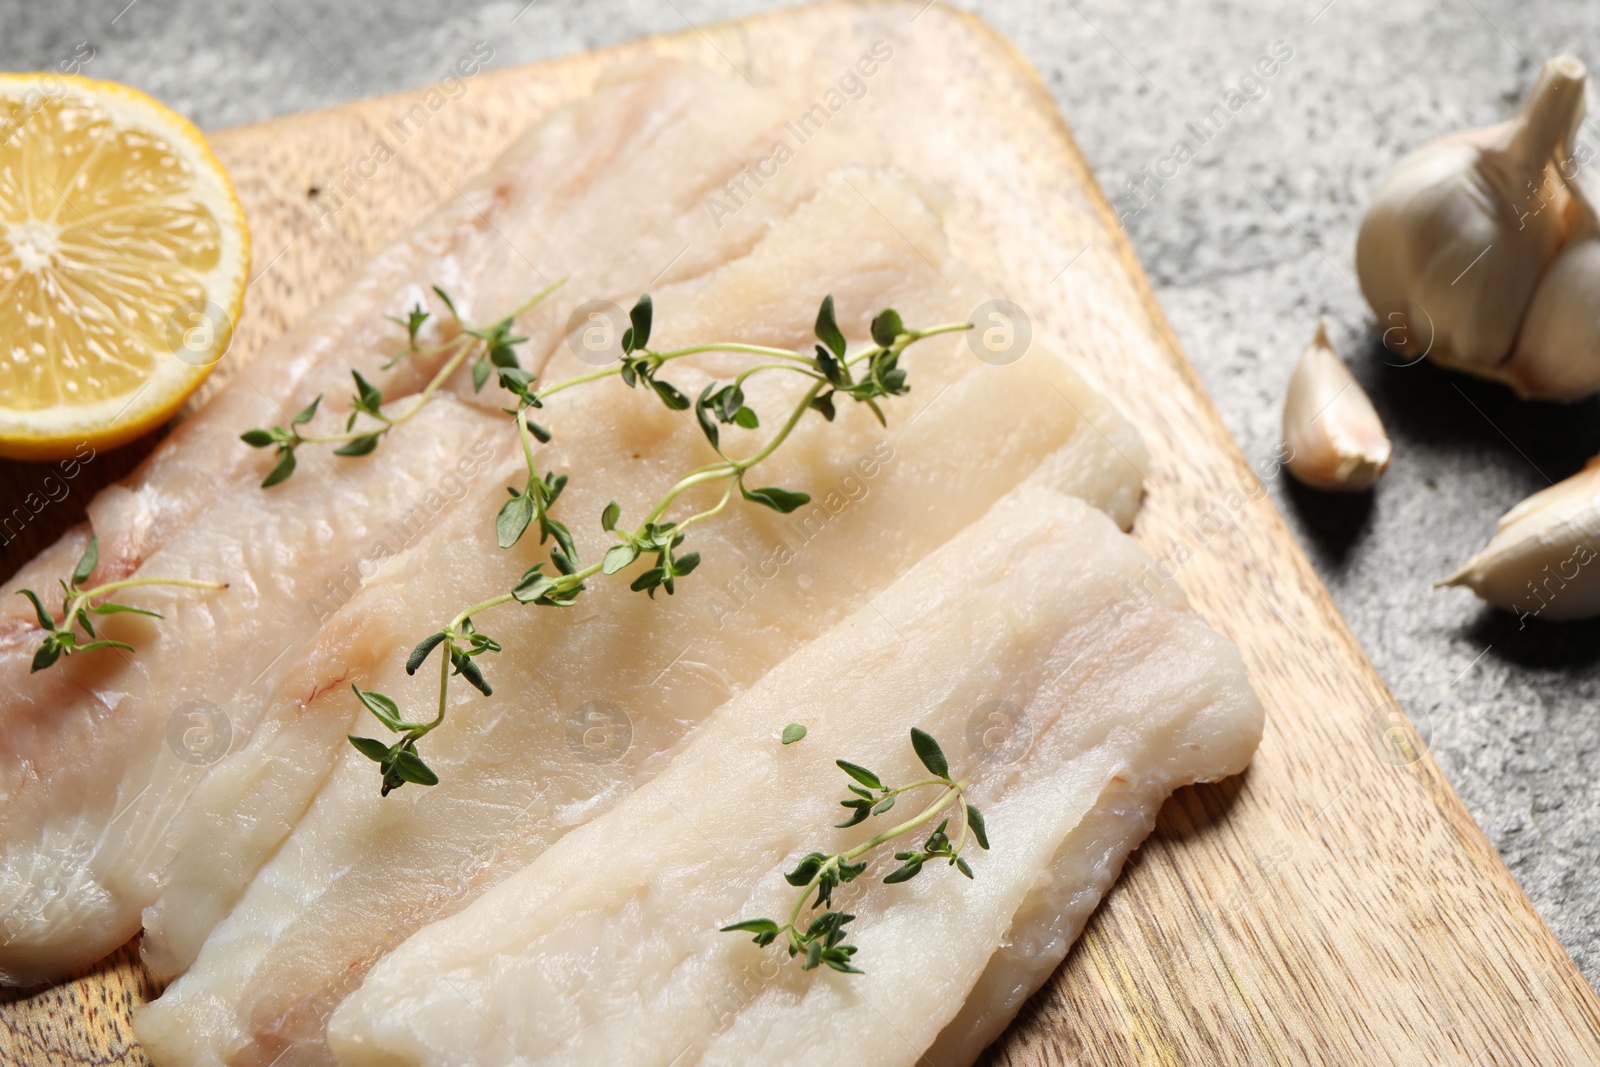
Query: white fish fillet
(98, 752)
(564, 198)
(331, 900)
(607, 948)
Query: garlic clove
(1541, 561)
(1459, 231)
(1331, 431)
(1558, 349)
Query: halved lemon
(124, 256)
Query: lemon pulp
(123, 253)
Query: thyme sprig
(820, 940)
(487, 347)
(78, 603)
(657, 537)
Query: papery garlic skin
(1459, 232)
(1331, 432)
(1558, 351)
(1544, 559)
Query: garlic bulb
(1460, 230)
(1331, 432)
(1542, 560)
(1558, 351)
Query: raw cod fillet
(516, 770)
(78, 832)
(606, 949)
(98, 752)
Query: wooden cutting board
(1336, 904)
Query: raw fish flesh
(607, 948)
(329, 902)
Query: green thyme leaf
(830, 367)
(532, 585)
(887, 326)
(793, 732)
(862, 809)
(87, 562)
(281, 471)
(358, 446)
(47, 654)
(979, 831)
(471, 672)
(929, 753)
(618, 557)
(860, 774)
(807, 869)
(766, 930)
(412, 769)
(384, 709)
(828, 331)
(421, 652)
(670, 395)
(609, 517)
(515, 515)
(46, 620)
(480, 374)
(374, 750)
(708, 423)
(640, 316)
(445, 297)
(907, 871)
(257, 438)
(306, 413)
(368, 397)
(109, 608)
(412, 322)
(780, 500)
(92, 645)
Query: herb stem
(727, 494)
(534, 300)
(718, 403)
(712, 473)
(464, 344)
(758, 368)
(444, 678)
(467, 613)
(129, 583)
(831, 865)
(795, 362)
(951, 792)
(749, 350)
(742, 465)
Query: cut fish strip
(98, 753)
(607, 948)
(515, 767)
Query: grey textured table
(1247, 244)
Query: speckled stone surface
(1247, 243)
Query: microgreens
(655, 537)
(821, 940)
(78, 603)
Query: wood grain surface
(1334, 905)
